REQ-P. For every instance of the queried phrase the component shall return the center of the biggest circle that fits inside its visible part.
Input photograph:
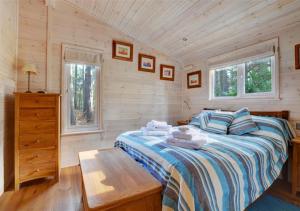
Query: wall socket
(297, 125)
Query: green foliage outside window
(258, 76)
(82, 89)
(226, 82)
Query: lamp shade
(31, 68)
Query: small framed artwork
(194, 79)
(167, 72)
(146, 63)
(297, 56)
(122, 50)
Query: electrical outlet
(297, 125)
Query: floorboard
(45, 195)
(282, 189)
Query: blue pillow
(219, 122)
(201, 120)
(242, 123)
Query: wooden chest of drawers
(37, 136)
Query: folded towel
(182, 135)
(153, 128)
(147, 132)
(183, 129)
(157, 125)
(193, 144)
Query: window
(225, 81)
(81, 96)
(252, 78)
(258, 76)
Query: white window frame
(66, 127)
(241, 93)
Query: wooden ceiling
(210, 27)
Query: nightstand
(183, 122)
(296, 166)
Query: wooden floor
(44, 195)
(282, 190)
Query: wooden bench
(113, 181)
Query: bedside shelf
(183, 122)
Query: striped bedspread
(227, 173)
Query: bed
(227, 173)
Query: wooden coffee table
(112, 180)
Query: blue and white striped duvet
(228, 173)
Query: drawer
(37, 156)
(37, 141)
(37, 102)
(33, 171)
(37, 127)
(37, 114)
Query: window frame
(66, 128)
(241, 84)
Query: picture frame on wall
(297, 56)
(122, 50)
(146, 63)
(194, 79)
(167, 72)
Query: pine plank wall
(130, 98)
(8, 52)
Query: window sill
(82, 132)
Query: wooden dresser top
(36, 94)
(111, 177)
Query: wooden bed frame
(279, 114)
(284, 114)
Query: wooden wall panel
(8, 51)
(32, 41)
(289, 85)
(130, 97)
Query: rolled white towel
(147, 132)
(193, 144)
(157, 124)
(182, 135)
(153, 128)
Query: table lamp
(29, 69)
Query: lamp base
(28, 91)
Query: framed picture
(146, 63)
(122, 50)
(194, 79)
(167, 72)
(297, 56)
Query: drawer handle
(33, 157)
(37, 114)
(37, 141)
(37, 170)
